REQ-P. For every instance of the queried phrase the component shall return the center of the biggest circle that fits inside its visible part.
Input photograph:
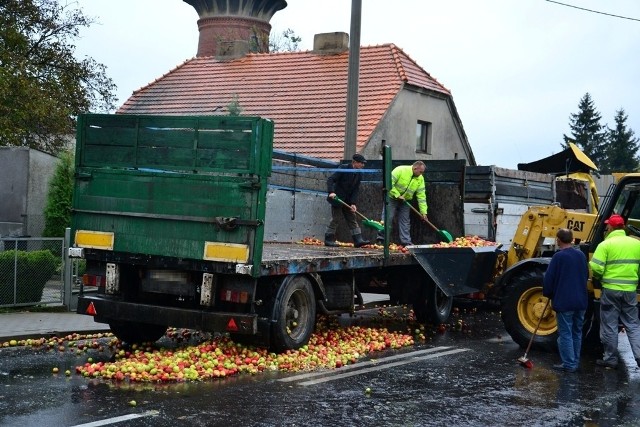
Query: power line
(593, 11)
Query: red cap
(615, 221)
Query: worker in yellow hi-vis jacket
(407, 184)
(615, 264)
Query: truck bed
(290, 258)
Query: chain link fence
(32, 271)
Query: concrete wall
(14, 169)
(398, 129)
(42, 167)
(24, 182)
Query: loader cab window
(628, 205)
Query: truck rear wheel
(294, 315)
(522, 309)
(432, 305)
(134, 332)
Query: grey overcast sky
(517, 68)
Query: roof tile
(304, 93)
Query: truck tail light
(241, 297)
(93, 280)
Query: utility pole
(353, 80)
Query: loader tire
(522, 308)
(294, 314)
(134, 332)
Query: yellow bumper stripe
(94, 239)
(226, 252)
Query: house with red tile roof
(305, 93)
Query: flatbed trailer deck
(293, 258)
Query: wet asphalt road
(453, 379)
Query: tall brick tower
(225, 23)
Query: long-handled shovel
(365, 221)
(524, 361)
(444, 234)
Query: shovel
(444, 234)
(365, 221)
(527, 363)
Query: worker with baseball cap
(346, 186)
(615, 221)
(615, 263)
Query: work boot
(358, 241)
(330, 240)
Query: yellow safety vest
(404, 184)
(615, 262)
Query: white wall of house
(398, 129)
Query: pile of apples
(310, 241)
(317, 242)
(392, 247)
(74, 343)
(197, 356)
(465, 242)
(328, 347)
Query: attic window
(423, 137)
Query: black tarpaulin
(568, 161)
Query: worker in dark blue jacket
(346, 186)
(565, 283)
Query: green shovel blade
(372, 224)
(445, 235)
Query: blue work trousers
(570, 337)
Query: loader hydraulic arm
(540, 222)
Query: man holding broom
(345, 185)
(565, 283)
(407, 184)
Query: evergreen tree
(622, 151)
(57, 213)
(587, 132)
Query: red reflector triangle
(91, 310)
(231, 326)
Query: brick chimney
(242, 22)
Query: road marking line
(385, 366)
(374, 362)
(118, 419)
(627, 357)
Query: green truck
(169, 215)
